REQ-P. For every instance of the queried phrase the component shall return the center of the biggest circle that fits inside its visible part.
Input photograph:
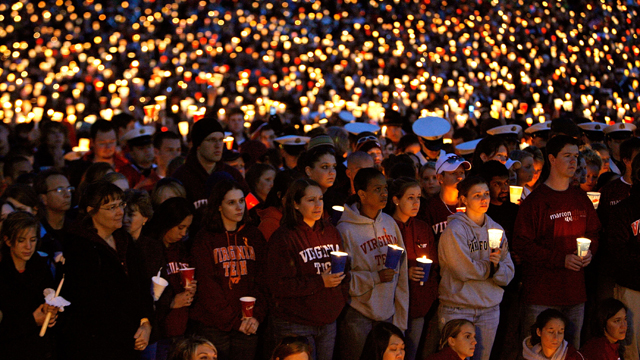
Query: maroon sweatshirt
(297, 258)
(269, 221)
(228, 267)
(435, 213)
(547, 226)
(610, 195)
(194, 177)
(419, 241)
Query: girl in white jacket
(472, 273)
(376, 293)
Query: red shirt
(435, 213)
(546, 229)
(600, 349)
(419, 242)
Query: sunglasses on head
(451, 160)
(366, 138)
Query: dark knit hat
(204, 128)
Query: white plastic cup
(594, 196)
(495, 238)
(159, 284)
(515, 193)
(583, 246)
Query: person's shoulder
(573, 353)
(445, 354)
(594, 345)
(251, 231)
(612, 186)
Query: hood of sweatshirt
(352, 215)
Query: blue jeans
(321, 338)
(574, 313)
(412, 337)
(231, 345)
(485, 319)
(158, 350)
(353, 332)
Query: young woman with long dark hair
(164, 250)
(308, 297)
(229, 256)
(609, 331)
(384, 342)
(419, 242)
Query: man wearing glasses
(55, 193)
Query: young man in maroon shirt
(548, 224)
(450, 170)
(203, 160)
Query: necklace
(446, 206)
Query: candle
(183, 128)
(425, 264)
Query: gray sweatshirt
(366, 242)
(464, 252)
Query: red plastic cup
(247, 303)
(187, 275)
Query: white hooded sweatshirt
(464, 252)
(366, 240)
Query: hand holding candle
(394, 253)
(515, 193)
(338, 261)
(495, 239)
(425, 264)
(583, 246)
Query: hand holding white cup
(495, 238)
(583, 246)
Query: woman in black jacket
(163, 247)
(23, 277)
(106, 283)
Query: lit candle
(183, 127)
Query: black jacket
(20, 295)
(109, 292)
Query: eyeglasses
(62, 189)
(451, 160)
(114, 207)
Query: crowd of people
(319, 180)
